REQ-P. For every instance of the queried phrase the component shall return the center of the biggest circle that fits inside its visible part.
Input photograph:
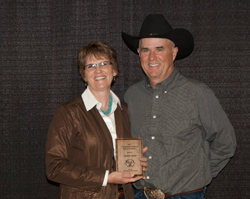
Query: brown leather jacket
(79, 150)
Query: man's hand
(143, 160)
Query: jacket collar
(90, 101)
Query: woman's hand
(123, 178)
(118, 177)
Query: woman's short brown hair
(97, 50)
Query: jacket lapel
(119, 122)
(103, 129)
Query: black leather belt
(180, 194)
(121, 194)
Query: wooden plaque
(128, 154)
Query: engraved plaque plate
(128, 154)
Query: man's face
(157, 56)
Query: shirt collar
(90, 101)
(166, 82)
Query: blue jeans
(197, 195)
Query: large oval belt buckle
(153, 193)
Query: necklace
(110, 105)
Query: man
(189, 137)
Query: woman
(80, 145)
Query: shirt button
(150, 157)
(154, 116)
(153, 137)
(148, 177)
(165, 91)
(157, 96)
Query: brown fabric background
(39, 43)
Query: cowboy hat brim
(182, 39)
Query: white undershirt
(90, 101)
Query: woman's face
(100, 76)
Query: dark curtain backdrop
(39, 44)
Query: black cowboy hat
(156, 26)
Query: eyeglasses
(102, 64)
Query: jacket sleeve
(219, 133)
(59, 167)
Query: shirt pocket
(176, 125)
